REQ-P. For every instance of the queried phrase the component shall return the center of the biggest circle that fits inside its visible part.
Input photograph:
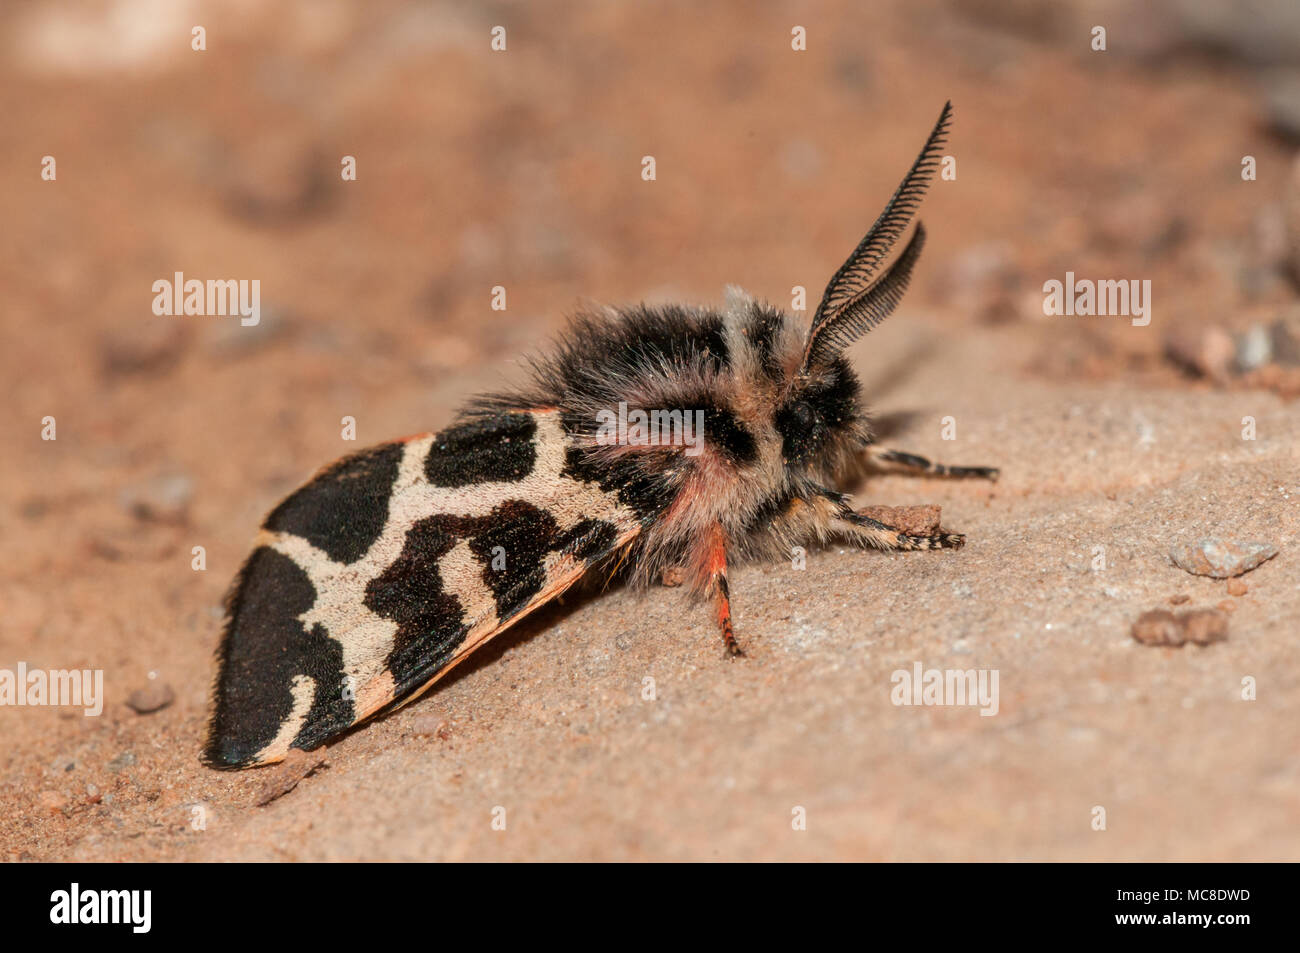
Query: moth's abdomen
(390, 566)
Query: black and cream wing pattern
(390, 566)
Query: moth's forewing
(389, 567)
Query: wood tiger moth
(391, 566)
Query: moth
(391, 566)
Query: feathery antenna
(853, 303)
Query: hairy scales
(322, 632)
(390, 566)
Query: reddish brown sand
(522, 169)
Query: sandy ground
(522, 169)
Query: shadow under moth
(391, 566)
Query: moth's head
(819, 418)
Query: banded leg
(872, 532)
(717, 569)
(896, 461)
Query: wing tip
(225, 750)
(226, 754)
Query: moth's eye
(802, 429)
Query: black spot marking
(525, 534)
(264, 648)
(496, 449)
(430, 620)
(836, 402)
(432, 623)
(727, 435)
(342, 510)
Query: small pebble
(1221, 558)
(1237, 588)
(1179, 598)
(153, 697)
(1158, 627)
(1162, 627)
(1204, 626)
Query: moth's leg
(716, 562)
(872, 532)
(800, 520)
(896, 461)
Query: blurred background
(477, 168)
